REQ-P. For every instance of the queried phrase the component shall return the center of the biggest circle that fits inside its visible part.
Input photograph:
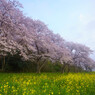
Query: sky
(74, 20)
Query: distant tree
(62, 54)
(80, 55)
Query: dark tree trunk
(40, 66)
(63, 68)
(68, 68)
(3, 64)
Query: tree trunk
(68, 68)
(40, 67)
(63, 71)
(63, 68)
(3, 64)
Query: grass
(47, 84)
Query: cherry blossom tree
(80, 55)
(13, 32)
(49, 46)
(33, 41)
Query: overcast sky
(74, 20)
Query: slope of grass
(47, 84)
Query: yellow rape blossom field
(47, 84)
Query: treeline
(28, 45)
(16, 64)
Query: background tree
(32, 42)
(80, 54)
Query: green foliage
(52, 67)
(16, 64)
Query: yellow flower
(77, 90)
(52, 93)
(34, 82)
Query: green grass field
(47, 84)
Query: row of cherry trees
(33, 41)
